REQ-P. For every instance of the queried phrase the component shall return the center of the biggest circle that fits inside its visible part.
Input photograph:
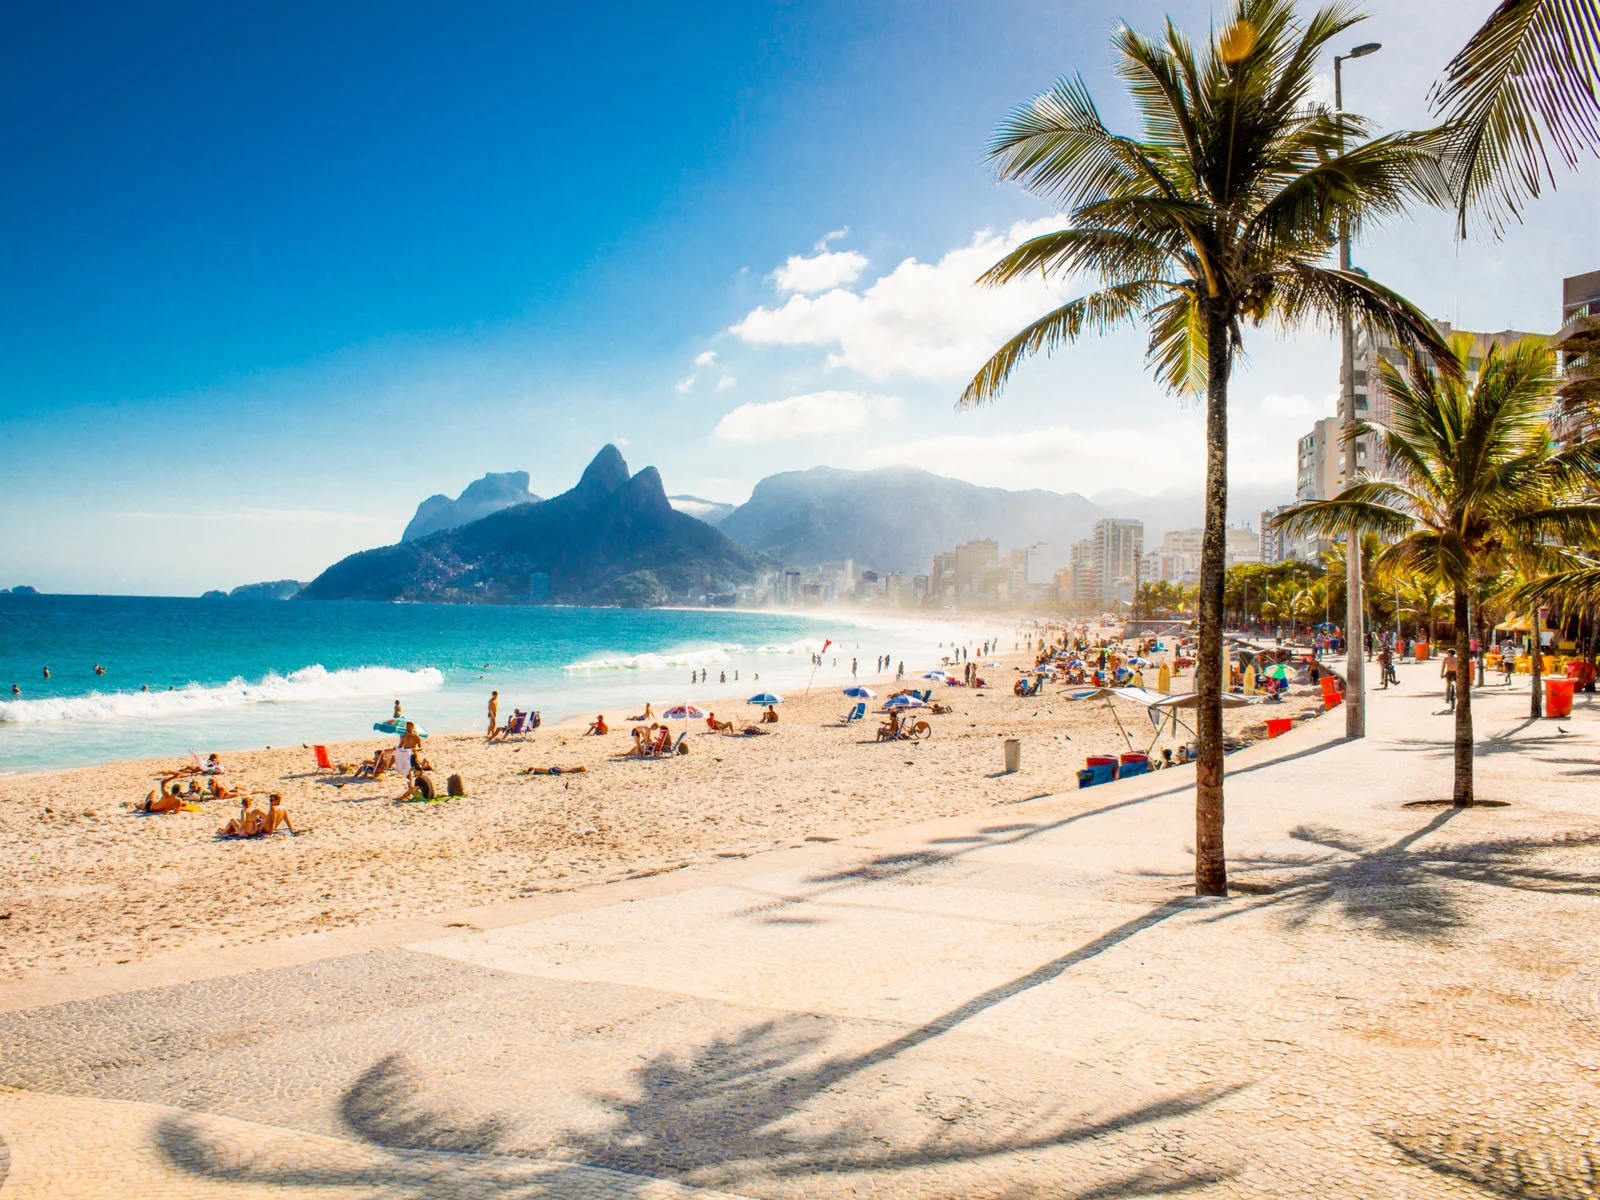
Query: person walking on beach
(494, 712)
(852, 668)
(1447, 672)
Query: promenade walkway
(1396, 1001)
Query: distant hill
(278, 589)
(898, 518)
(480, 498)
(612, 539)
(712, 512)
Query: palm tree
(1532, 70)
(1423, 599)
(1220, 213)
(1478, 484)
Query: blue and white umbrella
(860, 693)
(764, 698)
(902, 701)
(936, 675)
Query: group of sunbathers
(651, 741)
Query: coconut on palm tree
(1218, 215)
(1477, 484)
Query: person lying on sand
(554, 771)
(160, 801)
(220, 791)
(252, 822)
(214, 766)
(598, 727)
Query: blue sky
(271, 274)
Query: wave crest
(691, 656)
(309, 683)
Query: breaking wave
(308, 683)
(693, 656)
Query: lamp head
(1365, 49)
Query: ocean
(203, 675)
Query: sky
(272, 274)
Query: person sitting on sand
(598, 727)
(252, 822)
(214, 766)
(770, 717)
(646, 715)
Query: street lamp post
(1355, 691)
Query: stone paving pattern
(1395, 1002)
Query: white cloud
(823, 270)
(1301, 408)
(705, 361)
(817, 414)
(925, 320)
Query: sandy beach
(92, 882)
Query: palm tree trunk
(1210, 862)
(1535, 664)
(1462, 792)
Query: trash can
(1558, 697)
(1013, 751)
(1278, 726)
(1422, 651)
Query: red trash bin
(1279, 726)
(1558, 697)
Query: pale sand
(89, 882)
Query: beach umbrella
(764, 698)
(860, 693)
(1279, 671)
(902, 701)
(685, 712)
(936, 675)
(991, 664)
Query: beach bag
(455, 786)
(534, 723)
(422, 785)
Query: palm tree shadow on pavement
(734, 1112)
(1401, 888)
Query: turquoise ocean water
(243, 674)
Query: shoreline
(96, 883)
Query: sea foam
(691, 656)
(308, 683)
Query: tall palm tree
(1220, 213)
(1478, 483)
(1424, 600)
(1531, 71)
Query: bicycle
(1450, 692)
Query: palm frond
(1530, 73)
(1099, 310)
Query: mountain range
(612, 539)
(897, 518)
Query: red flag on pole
(825, 646)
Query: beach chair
(402, 761)
(518, 724)
(856, 713)
(323, 761)
(663, 743)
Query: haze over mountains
(620, 539)
(479, 499)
